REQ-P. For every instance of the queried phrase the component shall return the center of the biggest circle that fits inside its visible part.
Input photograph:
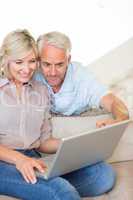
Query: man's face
(54, 62)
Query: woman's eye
(32, 61)
(18, 62)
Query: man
(74, 89)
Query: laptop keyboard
(48, 159)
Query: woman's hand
(24, 164)
(27, 166)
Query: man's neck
(56, 89)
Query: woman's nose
(26, 69)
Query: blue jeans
(90, 181)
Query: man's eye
(60, 65)
(46, 64)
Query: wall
(94, 26)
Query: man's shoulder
(38, 76)
(77, 66)
(81, 72)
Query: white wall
(94, 26)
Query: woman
(25, 125)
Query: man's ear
(69, 59)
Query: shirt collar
(6, 81)
(3, 81)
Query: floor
(124, 186)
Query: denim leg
(13, 184)
(93, 180)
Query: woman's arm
(9, 155)
(24, 164)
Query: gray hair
(15, 46)
(56, 39)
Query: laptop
(84, 149)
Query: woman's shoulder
(40, 92)
(3, 82)
(39, 86)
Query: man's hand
(114, 105)
(27, 166)
(102, 123)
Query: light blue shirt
(79, 91)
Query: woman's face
(22, 69)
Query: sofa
(116, 71)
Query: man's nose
(53, 70)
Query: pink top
(24, 121)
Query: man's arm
(113, 104)
(50, 145)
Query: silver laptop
(83, 149)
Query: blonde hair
(15, 45)
(56, 39)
